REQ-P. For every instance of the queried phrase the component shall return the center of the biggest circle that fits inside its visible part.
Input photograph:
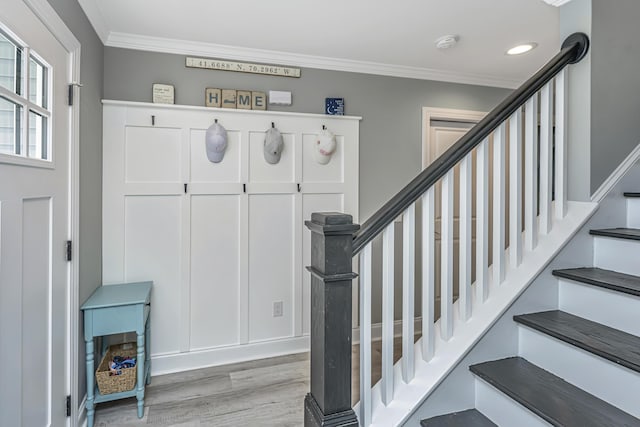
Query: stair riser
(594, 303)
(633, 212)
(503, 410)
(604, 379)
(617, 254)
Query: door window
(25, 116)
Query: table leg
(148, 348)
(141, 371)
(90, 382)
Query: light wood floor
(268, 392)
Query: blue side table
(115, 309)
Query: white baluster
(465, 239)
(546, 135)
(515, 188)
(482, 221)
(365, 336)
(408, 291)
(446, 257)
(388, 237)
(498, 204)
(561, 145)
(428, 274)
(531, 174)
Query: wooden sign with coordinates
(242, 67)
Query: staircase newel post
(329, 402)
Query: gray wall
(390, 132)
(615, 86)
(89, 248)
(575, 16)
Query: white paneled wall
(222, 251)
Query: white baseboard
(178, 362)
(617, 175)
(376, 330)
(82, 414)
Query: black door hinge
(68, 406)
(71, 94)
(69, 250)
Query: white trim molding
(98, 22)
(447, 115)
(235, 53)
(617, 175)
(556, 3)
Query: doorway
(441, 129)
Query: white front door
(34, 220)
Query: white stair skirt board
(449, 353)
(503, 410)
(606, 380)
(589, 302)
(178, 362)
(617, 254)
(633, 212)
(616, 175)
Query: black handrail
(573, 49)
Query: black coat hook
(215, 120)
(324, 127)
(273, 125)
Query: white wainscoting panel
(215, 273)
(222, 242)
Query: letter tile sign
(231, 98)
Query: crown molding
(211, 50)
(94, 15)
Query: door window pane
(10, 119)
(38, 140)
(37, 83)
(10, 64)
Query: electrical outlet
(278, 309)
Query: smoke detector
(447, 42)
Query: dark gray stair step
(620, 233)
(550, 397)
(631, 194)
(468, 418)
(608, 279)
(612, 344)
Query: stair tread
(468, 418)
(621, 282)
(612, 344)
(631, 194)
(550, 397)
(621, 233)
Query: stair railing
(530, 125)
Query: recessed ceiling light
(446, 42)
(522, 48)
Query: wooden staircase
(578, 365)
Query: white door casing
(37, 216)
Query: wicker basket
(126, 381)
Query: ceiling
(388, 37)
